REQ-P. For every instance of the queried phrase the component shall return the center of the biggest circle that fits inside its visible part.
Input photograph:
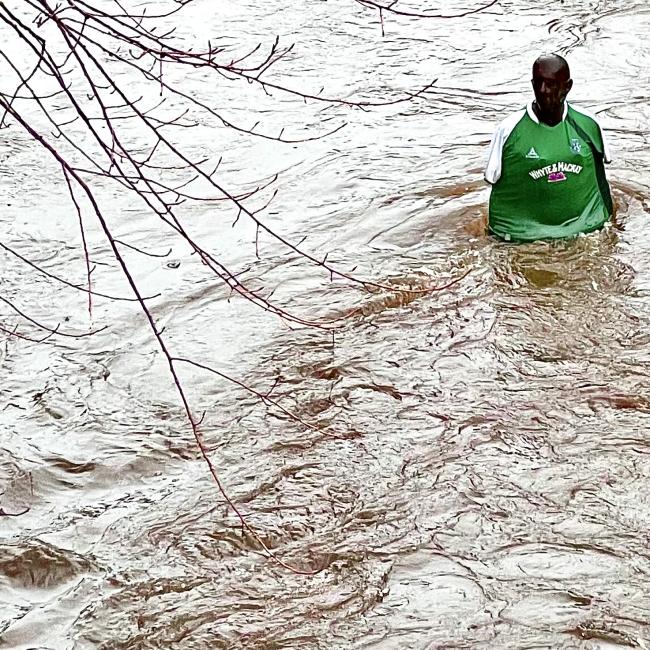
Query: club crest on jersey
(532, 153)
(576, 146)
(555, 173)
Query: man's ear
(569, 85)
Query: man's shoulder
(589, 124)
(508, 124)
(501, 136)
(584, 117)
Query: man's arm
(607, 152)
(593, 133)
(495, 153)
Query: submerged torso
(552, 182)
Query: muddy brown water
(478, 476)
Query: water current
(476, 475)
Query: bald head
(552, 64)
(551, 83)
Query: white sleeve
(495, 153)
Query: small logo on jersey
(532, 153)
(556, 177)
(576, 146)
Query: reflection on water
(474, 474)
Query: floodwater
(462, 468)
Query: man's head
(551, 83)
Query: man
(545, 164)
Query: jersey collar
(531, 112)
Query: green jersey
(548, 181)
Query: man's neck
(550, 119)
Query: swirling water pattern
(481, 478)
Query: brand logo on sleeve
(532, 153)
(555, 173)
